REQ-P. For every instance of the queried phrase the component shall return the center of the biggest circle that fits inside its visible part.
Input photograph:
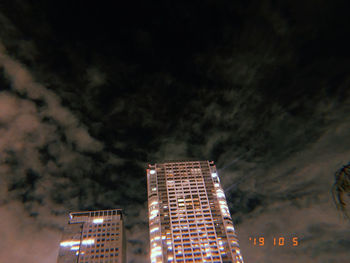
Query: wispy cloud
(44, 164)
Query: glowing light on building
(98, 221)
(69, 243)
(231, 228)
(88, 241)
(154, 229)
(74, 248)
(220, 193)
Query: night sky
(91, 92)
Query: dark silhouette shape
(341, 187)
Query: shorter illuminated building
(93, 236)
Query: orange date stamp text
(275, 241)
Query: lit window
(154, 229)
(97, 220)
(69, 243)
(74, 248)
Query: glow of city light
(154, 229)
(156, 251)
(220, 193)
(97, 220)
(74, 248)
(69, 243)
(88, 241)
(230, 228)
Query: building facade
(189, 220)
(94, 237)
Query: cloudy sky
(90, 93)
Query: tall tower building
(94, 236)
(189, 220)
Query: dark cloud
(90, 94)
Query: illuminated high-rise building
(189, 220)
(93, 236)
